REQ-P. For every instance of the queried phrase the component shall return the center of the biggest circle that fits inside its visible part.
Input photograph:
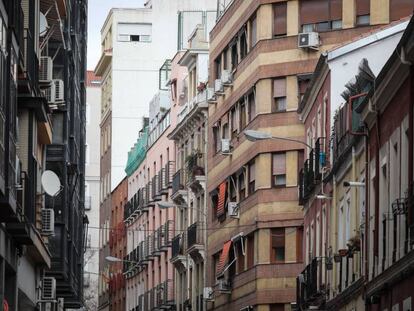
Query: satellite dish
(43, 25)
(50, 183)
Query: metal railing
(195, 234)
(178, 181)
(156, 194)
(177, 245)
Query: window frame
(273, 181)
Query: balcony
(195, 241)
(165, 295)
(149, 195)
(103, 62)
(143, 252)
(156, 243)
(179, 194)
(195, 169)
(165, 235)
(178, 257)
(311, 174)
(143, 200)
(155, 184)
(311, 292)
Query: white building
(92, 181)
(135, 44)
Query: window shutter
(336, 10)
(278, 237)
(314, 11)
(280, 18)
(279, 87)
(362, 7)
(279, 164)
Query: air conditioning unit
(233, 209)
(208, 293)
(48, 221)
(308, 40)
(224, 286)
(211, 96)
(227, 77)
(218, 87)
(55, 94)
(225, 145)
(48, 288)
(46, 69)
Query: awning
(224, 257)
(221, 199)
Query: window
(250, 251)
(279, 169)
(216, 138)
(251, 106)
(243, 119)
(234, 54)
(362, 12)
(320, 15)
(278, 245)
(299, 243)
(242, 186)
(280, 18)
(279, 95)
(134, 32)
(253, 31)
(240, 256)
(217, 64)
(252, 177)
(243, 43)
(233, 124)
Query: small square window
(337, 24)
(279, 180)
(135, 38)
(280, 104)
(363, 20)
(308, 28)
(323, 26)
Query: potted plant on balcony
(354, 244)
(201, 87)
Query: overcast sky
(98, 10)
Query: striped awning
(224, 257)
(221, 199)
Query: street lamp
(253, 136)
(323, 197)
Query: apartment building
(92, 188)
(135, 45)
(25, 132)
(150, 279)
(388, 113)
(135, 282)
(66, 50)
(334, 212)
(39, 266)
(189, 180)
(117, 245)
(261, 55)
